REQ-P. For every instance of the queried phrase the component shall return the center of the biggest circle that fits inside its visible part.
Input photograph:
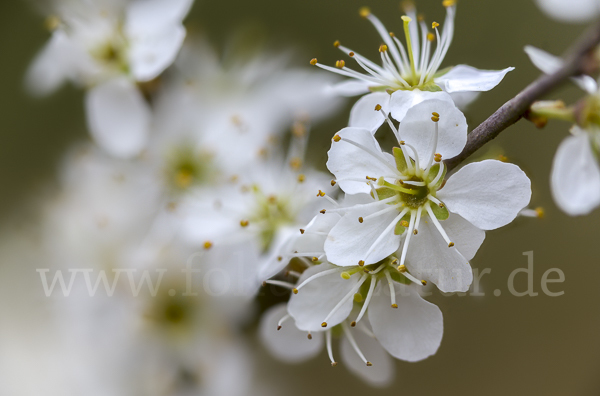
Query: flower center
(270, 214)
(187, 167)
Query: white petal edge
(489, 194)
(466, 78)
(118, 117)
(572, 11)
(364, 115)
(402, 101)
(575, 176)
(413, 331)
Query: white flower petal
(462, 100)
(549, 64)
(316, 300)
(364, 115)
(350, 241)
(350, 88)
(570, 11)
(413, 331)
(150, 55)
(49, 69)
(346, 161)
(466, 78)
(288, 344)
(489, 194)
(418, 130)
(430, 258)
(118, 117)
(576, 176)
(147, 17)
(401, 101)
(381, 373)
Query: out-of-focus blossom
(574, 11)
(408, 76)
(109, 48)
(575, 175)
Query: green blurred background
(493, 345)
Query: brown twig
(578, 61)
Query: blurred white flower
(291, 345)
(409, 199)
(575, 175)
(574, 11)
(234, 108)
(109, 47)
(408, 76)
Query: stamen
(391, 285)
(207, 245)
(439, 226)
(315, 276)
(435, 118)
(354, 345)
(386, 231)
(344, 210)
(402, 269)
(418, 221)
(244, 223)
(309, 336)
(329, 351)
(282, 320)
(379, 213)
(283, 284)
(349, 295)
(439, 175)
(367, 301)
(385, 36)
(408, 235)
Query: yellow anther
(435, 114)
(361, 263)
(301, 178)
(295, 291)
(353, 324)
(392, 34)
(208, 245)
(442, 205)
(351, 54)
(345, 275)
(434, 25)
(244, 223)
(336, 43)
(394, 261)
(451, 244)
(430, 36)
(278, 328)
(437, 157)
(401, 142)
(435, 119)
(369, 364)
(406, 18)
(279, 258)
(320, 194)
(333, 182)
(378, 107)
(322, 211)
(404, 223)
(340, 64)
(315, 259)
(415, 231)
(302, 231)
(395, 306)
(324, 324)
(309, 336)
(364, 12)
(52, 22)
(360, 220)
(424, 282)
(402, 268)
(313, 61)
(448, 3)
(540, 212)
(337, 138)
(383, 48)
(296, 163)
(272, 199)
(333, 364)
(371, 178)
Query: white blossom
(573, 11)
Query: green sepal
(429, 87)
(384, 193)
(443, 71)
(378, 88)
(399, 230)
(400, 159)
(439, 212)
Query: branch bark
(578, 61)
